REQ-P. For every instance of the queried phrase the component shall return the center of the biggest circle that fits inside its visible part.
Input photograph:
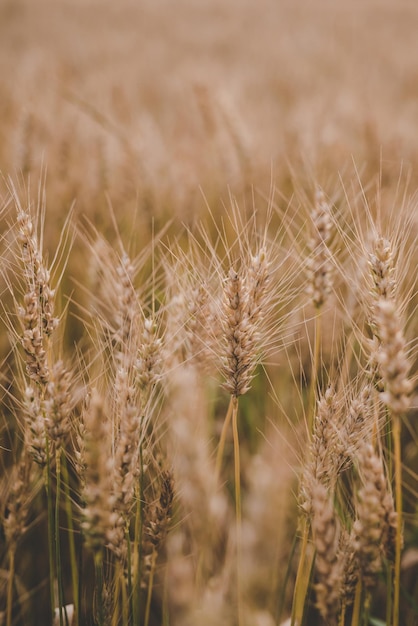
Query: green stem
(71, 541)
(203, 553)
(222, 439)
(305, 564)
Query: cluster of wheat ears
(229, 440)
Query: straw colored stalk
(242, 315)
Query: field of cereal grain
(208, 327)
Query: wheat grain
(373, 529)
(243, 307)
(391, 357)
(319, 263)
(326, 534)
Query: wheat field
(208, 328)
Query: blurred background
(149, 100)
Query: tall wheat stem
(355, 619)
(51, 535)
(138, 543)
(398, 505)
(57, 537)
(391, 570)
(121, 596)
(341, 620)
(305, 566)
(221, 446)
(71, 542)
(238, 516)
(302, 579)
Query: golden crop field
(208, 328)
